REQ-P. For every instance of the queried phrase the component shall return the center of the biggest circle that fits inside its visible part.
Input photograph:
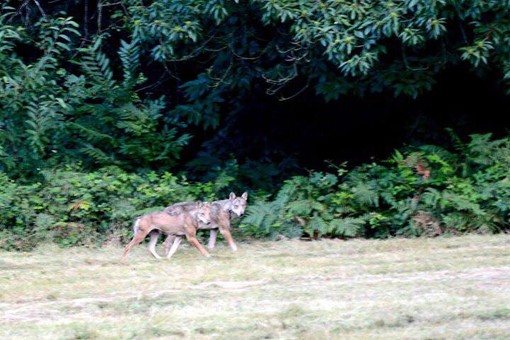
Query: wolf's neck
(223, 205)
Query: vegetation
(130, 87)
(73, 208)
(451, 287)
(111, 108)
(424, 191)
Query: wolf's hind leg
(152, 244)
(175, 245)
(212, 238)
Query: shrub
(425, 190)
(74, 208)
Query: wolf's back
(179, 208)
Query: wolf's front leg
(192, 238)
(228, 237)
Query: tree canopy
(130, 83)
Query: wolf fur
(178, 225)
(222, 212)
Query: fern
(99, 156)
(130, 58)
(348, 226)
(388, 198)
(365, 193)
(42, 118)
(303, 207)
(90, 134)
(316, 225)
(289, 190)
(172, 144)
(136, 121)
(432, 198)
(460, 203)
(482, 151)
(96, 66)
(458, 222)
(261, 218)
(444, 155)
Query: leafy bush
(52, 113)
(75, 208)
(426, 190)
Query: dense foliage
(424, 191)
(100, 99)
(130, 83)
(74, 208)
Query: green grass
(443, 288)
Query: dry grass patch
(405, 288)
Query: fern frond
(262, 215)
(130, 58)
(366, 194)
(289, 190)
(348, 226)
(98, 155)
(318, 225)
(432, 198)
(96, 66)
(457, 221)
(301, 207)
(441, 152)
(91, 134)
(389, 198)
(460, 202)
(483, 151)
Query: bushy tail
(136, 226)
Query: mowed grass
(442, 288)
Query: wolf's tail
(136, 226)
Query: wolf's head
(238, 204)
(203, 212)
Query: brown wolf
(184, 224)
(221, 213)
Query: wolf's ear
(199, 204)
(244, 196)
(232, 196)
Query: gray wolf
(222, 212)
(178, 225)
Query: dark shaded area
(357, 129)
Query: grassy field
(443, 288)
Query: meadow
(440, 288)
